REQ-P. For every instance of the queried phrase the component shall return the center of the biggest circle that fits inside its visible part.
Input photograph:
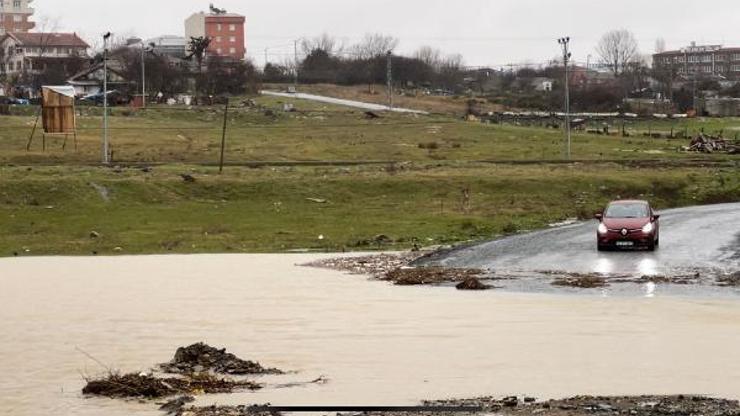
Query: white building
(29, 52)
(175, 46)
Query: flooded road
(376, 343)
(704, 239)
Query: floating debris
(201, 357)
(430, 275)
(151, 387)
(730, 280)
(581, 281)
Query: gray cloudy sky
(485, 32)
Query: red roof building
(24, 52)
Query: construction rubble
(712, 144)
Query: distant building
(34, 52)
(90, 80)
(174, 46)
(226, 31)
(15, 16)
(542, 84)
(702, 61)
(582, 76)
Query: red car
(628, 224)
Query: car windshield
(636, 210)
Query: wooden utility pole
(223, 138)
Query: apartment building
(701, 61)
(15, 16)
(226, 31)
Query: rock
(94, 234)
(187, 178)
(472, 283)
(511, 401)
(174, 406)
(529, 400)
(382, 239)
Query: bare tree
(430, 56)
(617, 50)
(324, 42)
(374, 45)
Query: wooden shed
(58, 109)
(58, 114)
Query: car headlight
(648, 228)
(603, 229)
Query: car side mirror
(599, 216)
(656, 217)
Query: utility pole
(390, 79)
(295, 72)
(105, 99)
(143, 75)
(565, 43)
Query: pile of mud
(581, 281)
(588, 405)
(197, 365)
(515, 406)
(430, 275)
(730, 280)
(150, 387)
(377, 265)
(395, 268)
(200, 357)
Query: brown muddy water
(377, 344)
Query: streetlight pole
(390, 79)
(105, 99)
(143, 75)
(565, 43)
(295, 63)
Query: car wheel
(651, 246)
(657, 241)
(599, 247)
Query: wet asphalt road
(704, 239)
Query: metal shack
(58, 109)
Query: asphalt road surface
(703, 240)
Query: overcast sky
(485, 32)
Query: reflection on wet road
(704, 239)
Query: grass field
(59, 202)
(318, 132)
(54, 210)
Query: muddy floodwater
(376, 343)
